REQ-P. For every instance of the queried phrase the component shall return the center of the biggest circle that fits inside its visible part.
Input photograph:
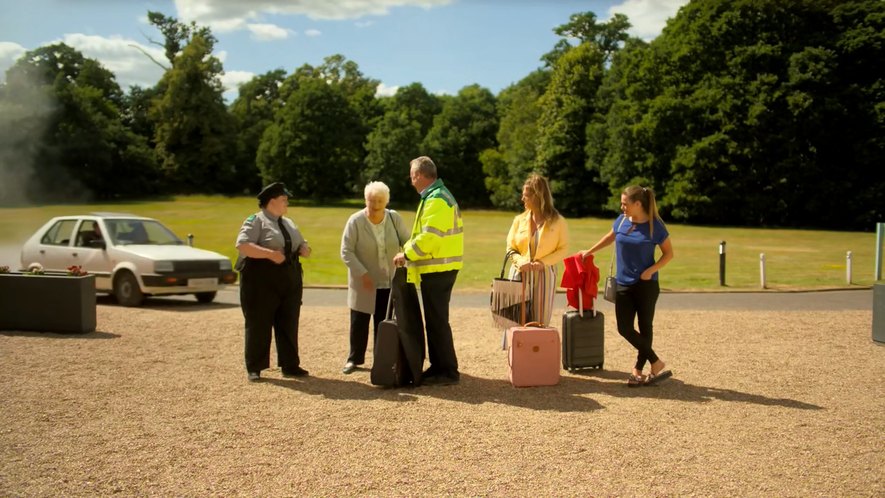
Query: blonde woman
(539, 238)
(636, 234)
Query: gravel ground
(156, 402)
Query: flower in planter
(76, 271)
(4, 269)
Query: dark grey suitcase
(398, 354)
(389, 364)
(583, 340)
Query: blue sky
(443, 44)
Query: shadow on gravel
(168, 304)
(57, 335)
(471, 390)
(614, 383)
(572, 394)
(342, 389)
(567, 396)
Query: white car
(130, 256)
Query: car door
(55, 247)
(90, 255)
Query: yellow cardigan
(552, 243)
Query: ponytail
(646, 198)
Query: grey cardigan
(359, 251)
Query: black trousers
(436, 292)
(270, 295)
(359, 327)
(638, 301)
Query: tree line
(742, 112)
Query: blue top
(635, 249)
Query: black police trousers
(270, 295)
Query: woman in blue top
(636, 233)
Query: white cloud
(229, 25)
(231, 80)
(648, 17)
(9, 53)
(363, 24)
(125, 58)
(313, 32)
(385, 91)
(231, 13)
(268, 32)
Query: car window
(159, 234)
(88, 234)
(59, 234)
(143, 232)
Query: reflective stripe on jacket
(437, 242)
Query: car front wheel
(126, 289)
(205, 297)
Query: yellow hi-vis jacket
(437, 242)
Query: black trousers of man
(270, 295)
(436, 292)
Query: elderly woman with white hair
(372, 237)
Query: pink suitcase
(533, 355)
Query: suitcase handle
(581, 303)
(388, 315)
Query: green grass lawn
(796, 259)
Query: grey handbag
(611, 287)
(610, 293)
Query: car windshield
(150, 232)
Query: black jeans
(436, 292)
(638, 301)
(270, 296)
(359, 327)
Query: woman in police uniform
(271, 283)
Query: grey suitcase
(389, 364)
(583, 340)
(399, 341)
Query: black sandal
(663, 375)
(634, 381)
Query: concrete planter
(879, 312)
(54, 302)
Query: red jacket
(583, 275)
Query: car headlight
(225, 265)
(163, 267)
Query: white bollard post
(848, 267)
(762, 268)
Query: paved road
(855, 299)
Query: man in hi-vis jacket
(433, 256)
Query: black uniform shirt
(262, 229)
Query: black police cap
(275, 189)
